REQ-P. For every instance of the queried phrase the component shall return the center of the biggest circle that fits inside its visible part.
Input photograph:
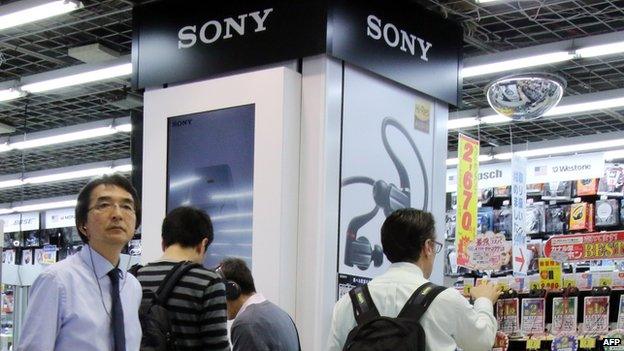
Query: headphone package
(485, 219)
(607, 213)
(503, 221)
(557, 219)
(502, 191)
(535, 189)
(586, 187)
(535, 218)
(557, 190)
(581, 216)
(450, 224)
(612, 182)
(485, 195)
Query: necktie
(117, 312)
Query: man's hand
(487, 290)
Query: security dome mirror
(526, 96)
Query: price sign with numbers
(468, 167)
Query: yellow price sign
(533, 344)
(587, 343)
(605, 281)
(467, 288)
(549, 273)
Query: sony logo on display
(186, 122)
(213, 30)
(393, 36)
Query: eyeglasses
(438, 246)
(106, 207)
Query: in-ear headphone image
(358, 250)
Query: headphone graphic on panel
(389, 197)
(232, 289)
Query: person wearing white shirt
(408, 241)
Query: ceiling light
(122, 169)
(10, 94)
(80, 78)
(494, 119)
(63, 138)
(524, 62)
(11, 183)
(462, 123)
(613, 155)
(33, 10)
(482, 158)
(124, 128)
(586, 106)
(68, 175)
(600, 50)
(563, 149)
(45, 206)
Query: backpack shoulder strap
(134, 270)
(171, 280)
(364, 308)
(420, 300)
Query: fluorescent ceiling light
(122, 169)
(63, 138)
(462, 123)
(524, 62)
(586, 106)
(455, 161)
(80, 78)
(45, 206)
(39, 12)
(68, 175)
(613, 155)
(232, 196)
(124, 127)
(563, 149)
(11, 183)
(231, 216)
(10, 94)
(599, 50)
(494, 119)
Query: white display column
(276, 95)
(324, 94)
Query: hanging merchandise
(596, 315)
(533, 316)
(564, 343)
(607, 213)
(557, 219)
(564, 312)
(557, 190)
(535, 189)
(508, 316)
(585, 187)
(502, 221)
(486, 195)
(485, 219)
(535, 218)
(502, 191)
(580, 216)
(451, 222)
(612, 182)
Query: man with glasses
(86, 302)
(196, 306)
(408, 240)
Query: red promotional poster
(584, 247)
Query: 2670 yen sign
(582, 247)
(467, 218)
(466, 197)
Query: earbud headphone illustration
(389, 197)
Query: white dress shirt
(450, 321)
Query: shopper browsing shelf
(196, 305)
(408, 240)
(258, 323)
(86, 302)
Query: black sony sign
(179, 41)
(401, 41)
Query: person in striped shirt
(197, 304)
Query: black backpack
(377, 333)
(153, 315)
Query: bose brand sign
(394, 36)
(213, 30)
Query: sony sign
(394, 36)
(213, 30)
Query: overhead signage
(584, 247)
(60, 218)
(518, 202)
(181, 41)
(19, 222)
(543, 170)
(466, 228)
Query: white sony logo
(393, 36)
(212, 30)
